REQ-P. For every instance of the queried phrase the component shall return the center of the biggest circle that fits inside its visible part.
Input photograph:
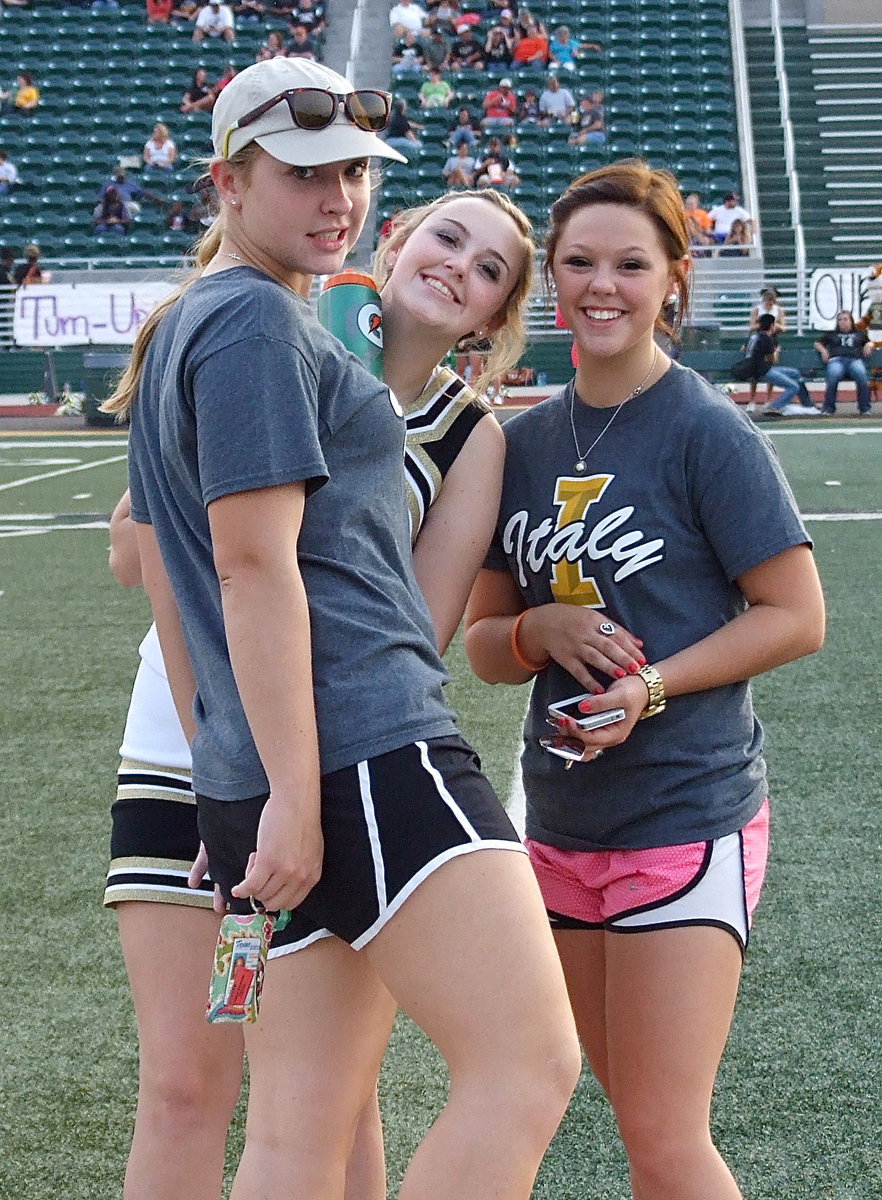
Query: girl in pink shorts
(628, 574)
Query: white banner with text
(81, 314)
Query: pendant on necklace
(580, 467)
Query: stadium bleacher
(667, 75)
(105, 79)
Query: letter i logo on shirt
(573, 497)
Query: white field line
(31, 443)
(101, 462)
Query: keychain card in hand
(239, 966)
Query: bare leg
(666, 1009)
(190, 1071)
(366, 1169)
(314, 1057)
(471, 959)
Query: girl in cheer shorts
(628, 568)
(254, 436)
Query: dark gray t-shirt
(242, 389)
(680, 497)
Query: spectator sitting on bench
(459, 170)
(723, 216)
(843, 351)
(760, 363)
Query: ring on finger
(607, 627)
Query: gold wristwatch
(656, 687)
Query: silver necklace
(580, 461)
(238, 257)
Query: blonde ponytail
(206, 248)
(127, 389)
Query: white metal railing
(744, 119)
(790, 160)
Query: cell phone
(563, 748)
(570, 708)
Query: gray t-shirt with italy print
(680, 497)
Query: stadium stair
(779, 249)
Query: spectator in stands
(7, 266)
(590, 121)
(525, 21)
(215, 20)
(25, 99)
(444, 16)
(498, 49)
(760, 364)
(9, 175)
(312, 15)
(203, 210)
(459, 170)
(252, 10)
(531, 48)
(282, 8)
(500, 106)
(129, 190)
(199, 96)
(769, 303)
(844, 351)
(562, 50)
(495, 168)
(406, 15)
(302, 44)
(229, 73)
(160, 152)
(31, 270)
(400, 133)
(528, 110)
(506, 21)
(721, 216)
(699, 226)
(176, 221)
(436, 92)
(159, 12)
(436, 49)
(407, 54)
(464, 129)
(556, 103)
(466, 53)
(273, 47)
(111, 214)
(737, 241)
(186, 10)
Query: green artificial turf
(798, 1109)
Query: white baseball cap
(275, 130)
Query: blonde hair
(507, 342)
(633, 184)
(203, 252)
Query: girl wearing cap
(309, 453)
(621, 571)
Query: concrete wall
(843, 12)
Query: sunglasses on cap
(314, 108)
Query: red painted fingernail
(641, 661)
(639, 641)
(633, 668)
(619, 673)
(598, 691)
(585, 706)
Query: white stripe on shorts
(719, 890)
(370, 820)
(445, 794)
